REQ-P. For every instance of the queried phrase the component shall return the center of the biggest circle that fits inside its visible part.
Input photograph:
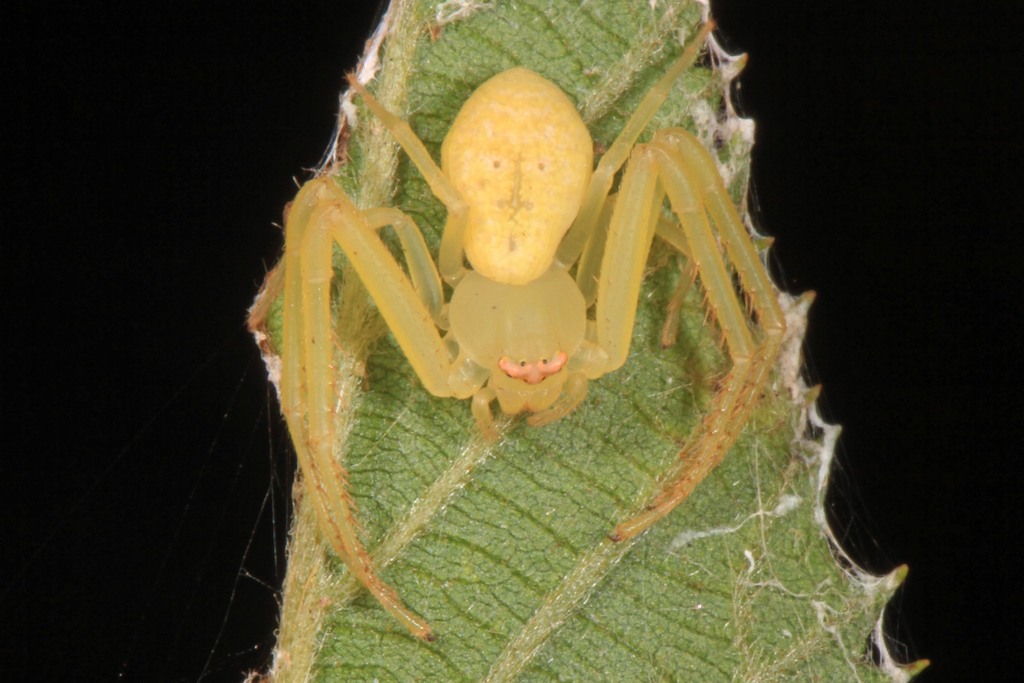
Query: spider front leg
(675, 164)
(321, 215)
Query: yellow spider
(550, 299)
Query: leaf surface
(504, 548)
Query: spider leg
(689, 177)
(321, 215)
(672, 233)
(612, 160)
(588, 268)
(628, 243)
(481, 408)
(573, 393)
(450, 254)
(422, 271)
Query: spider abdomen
(521, 157)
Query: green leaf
(504, 548)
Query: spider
(525, 206)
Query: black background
(147, 152)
